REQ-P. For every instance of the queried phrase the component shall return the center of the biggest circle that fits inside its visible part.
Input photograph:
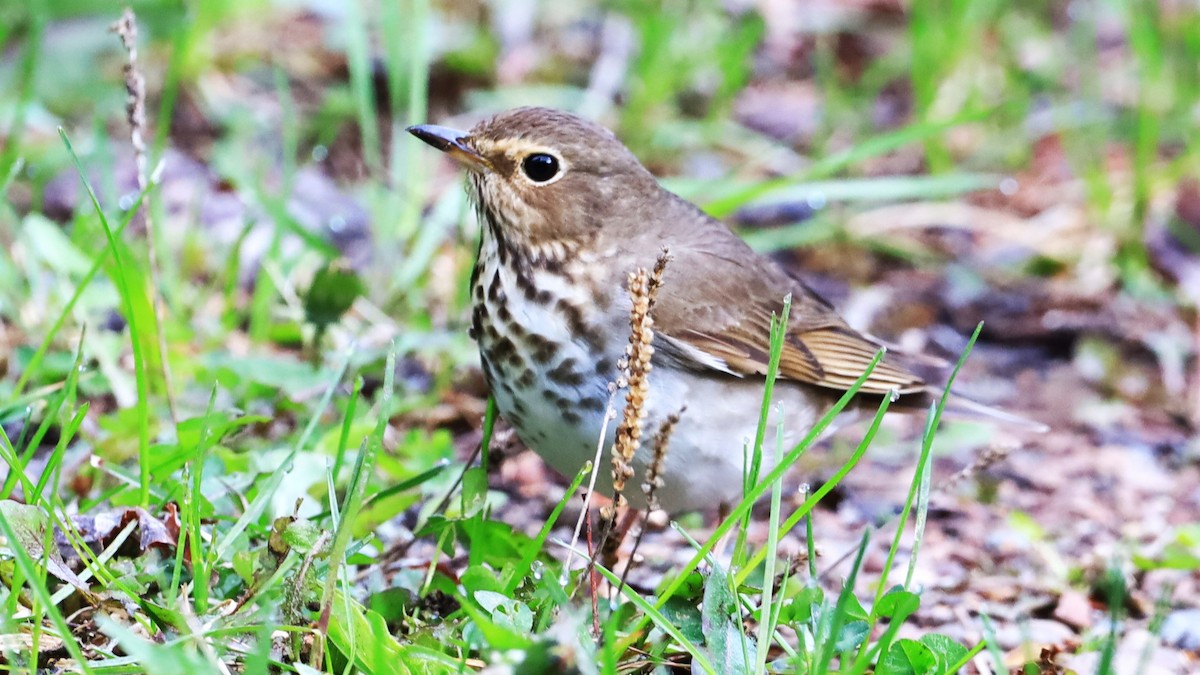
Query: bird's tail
(962, 407)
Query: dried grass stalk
(654, 471)
(636, 366)
(126, 29)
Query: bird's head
(543, 177)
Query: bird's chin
(504, 208)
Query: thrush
(567, 212)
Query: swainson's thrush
(567, 212)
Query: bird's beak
(451, 142)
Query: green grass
(295, 458)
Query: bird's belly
(705, 457)
(561, 421)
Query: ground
(257, 403)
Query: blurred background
(924, 164)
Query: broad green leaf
(684, 615)
(730, 649)
(852, 635)
(946, 650)
(898, 604)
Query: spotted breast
(541, 353)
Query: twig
(126, 29)
(593, 580)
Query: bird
(567, 212)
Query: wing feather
(716, 316)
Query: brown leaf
(29, 527)
(1074, 609)
(99, 529)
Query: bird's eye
(540, 167)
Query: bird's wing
(833, 357)
(721, 320)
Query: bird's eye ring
(540, 167)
